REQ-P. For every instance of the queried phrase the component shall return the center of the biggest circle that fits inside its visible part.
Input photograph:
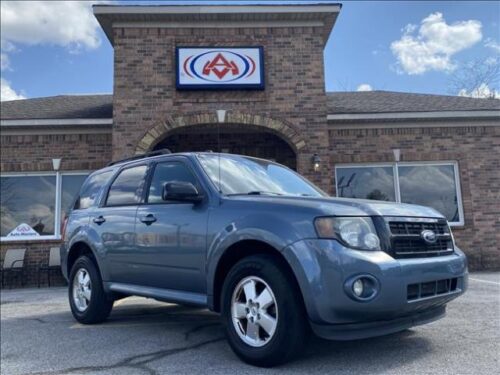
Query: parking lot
(39, 336)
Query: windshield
(244, 175)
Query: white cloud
(482, 91)
(364, 87)
(435, 43)
(7, 92)
(491, 43)
(63, 23)
(4, 62)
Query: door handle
(148, 219)
(99, 220)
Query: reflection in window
(243, 175)
(28, 200)
(71, 185)
(127, 187)
(427, 184)
(168, 172)
(430, 185)
(91, 190)
(375, 183)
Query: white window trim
(397, 191)
(57, 215)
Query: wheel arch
(237, 252)
(77, 250)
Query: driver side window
(168, 172)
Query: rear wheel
(263, 313)
(89, 303)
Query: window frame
(397, 191)
(57, 201)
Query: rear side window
(91, 189)
(168, 172)
(126, 189)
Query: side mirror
(181, 192)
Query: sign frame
(221, 86)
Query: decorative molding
(56, 122)
(414, 115)
(158, 132)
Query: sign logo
(429, 236)
(23, 230)
(220, 68)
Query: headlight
(355, 232)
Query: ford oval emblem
(429, 236)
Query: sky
(440, 47)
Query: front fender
(267, 227)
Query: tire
(88, 308)
(272, 346)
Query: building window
(32, 205)
(433, 184)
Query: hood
(328, 206)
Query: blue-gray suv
(258, 243)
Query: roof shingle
(390, 101)
(101, 106)
(59, 107)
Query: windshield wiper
(256, 192)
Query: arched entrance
(243, 140)
(240, 133)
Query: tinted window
(430, 185)
(28, 205)
(71, 185)
(91, 189)
(168, 172)
(375, 183)
(127, 187)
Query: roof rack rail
(162, 151)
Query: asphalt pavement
(39, 336)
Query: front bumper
(323, 266)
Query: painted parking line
(484, 281)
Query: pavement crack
(137, 362)
(198, 329)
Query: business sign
(219, 68)
(23, 230)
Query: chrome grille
(406, 240)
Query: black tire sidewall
(100, 304)
(290, 333)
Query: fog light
(362, 288)
(357, 287)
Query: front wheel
(88, 301)
(263, 313)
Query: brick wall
(477, 150)
(145, 94)
(31, 153)
(36, 253)
(35, 152)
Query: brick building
(440, 151)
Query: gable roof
(391, 101)
(59, 107)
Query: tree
(477, 78)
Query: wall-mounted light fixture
(221, 115)
(316, 161)
(56, 164)
(397, 154)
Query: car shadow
(199, 326)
